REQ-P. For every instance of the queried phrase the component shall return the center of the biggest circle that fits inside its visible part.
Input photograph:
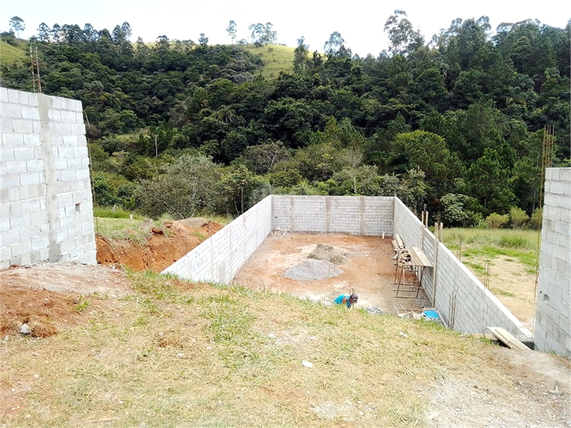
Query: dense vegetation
(179, 127)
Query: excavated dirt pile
(37, 300)
(328, 253)
(163, 247)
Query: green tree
(232, 30)
(263, 157)
(44, 32)
(262, 34)
(459, 210)
(203, 40)
(428, 152)
(300, 60)
(238, 186)
(184, 188)
(402, 36)
(17, 24)
(429, 87)
(489, 182)
(333, 45)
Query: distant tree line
(455, 123)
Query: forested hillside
(456, 123)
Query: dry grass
(176, 354)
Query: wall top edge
(556, 174)
(331, 197)
(30, 98)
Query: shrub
(536, 219)
(518, 217)
(495, 220)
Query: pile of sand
(311, 269)
(328, 253)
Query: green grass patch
(122, 228)
(10, 55)
(276, 59)
(527, 258)
(478, 268)
(113, 212)
(520, 245)
(502, 292)
(506, 238)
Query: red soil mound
(162, 248)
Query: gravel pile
(311, 269)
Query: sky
(360, 22)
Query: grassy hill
(276, 58)
(11, 54)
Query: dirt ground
(368, 270)
(48, 297)
(514, 286)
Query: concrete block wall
(552, 329)
(414, 234)
(356, 215)
(46, 210)
(463, 301)
(220, 257)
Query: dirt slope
(163, 247)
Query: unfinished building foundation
(464, 303)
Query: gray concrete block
(54, 115)
(12, 140)
(13, 96)
(29, 178)
(35, 165)
(13, 111)
(5, 255)
(23, 153)
(6, 125)
(20, 248)
(26, 259)
(15, 166)
(65, 152)
(37, 127)
(82, 173)
(6, 154)
(31, 140)
(30, 113)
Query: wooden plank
(422, 259)
(507, 338)
(399, 240)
